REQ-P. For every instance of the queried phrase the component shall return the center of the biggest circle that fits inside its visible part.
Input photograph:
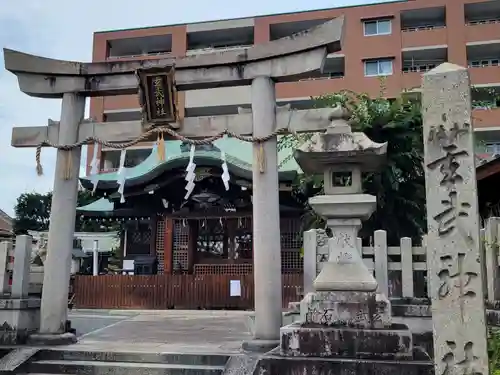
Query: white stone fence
(401, 271)
(490, 242)
(18, 277)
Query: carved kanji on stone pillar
(453, 242)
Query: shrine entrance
(158, 84)
(207, 233)
(194, 268)
(225, 246)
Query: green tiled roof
(238, 153)
(99, 205)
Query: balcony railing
(329, 76)
(483, 22)
(115, 169)
(420, 68)
(199, 51)
(421, 28)
(108, 170)
(484, 105)
(147, 54)
(493, 148)
(483, 63)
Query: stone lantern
(344, 316)
(342, 156)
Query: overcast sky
(63, 29)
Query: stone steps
(14, 358)
(134, 357)
(120, 368)
(52, 362)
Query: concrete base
(352, 308)
(299, 340)
(49, 339)
(19, 318)
(260, 346)
(271, 364)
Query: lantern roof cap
(339, 147)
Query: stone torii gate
(157, 82)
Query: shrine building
(206, 232)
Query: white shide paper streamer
(122, 175)
(190, 175)
(225, 173)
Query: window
(375, 68)
(378, 27)
(136, 156)
(493, 148)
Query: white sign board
(128, 267)
(235, 288)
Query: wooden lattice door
(139, 239)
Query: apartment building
(397, 41)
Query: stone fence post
(310, 260)
(407, 283)
(22, 263)
(490, 258)
(380, 259)
(5, 248)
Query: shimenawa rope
(160, 131)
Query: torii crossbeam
(259, 66)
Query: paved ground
(86, 322)
(161, 331)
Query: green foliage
(485, 97)
(400, 186)
(32, 212)
(494, 350)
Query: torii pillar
(57, 266)
(266, 215)
(261, 65)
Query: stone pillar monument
(458, 314)
(344, 316)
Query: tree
(32, 213)
(400, 185)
